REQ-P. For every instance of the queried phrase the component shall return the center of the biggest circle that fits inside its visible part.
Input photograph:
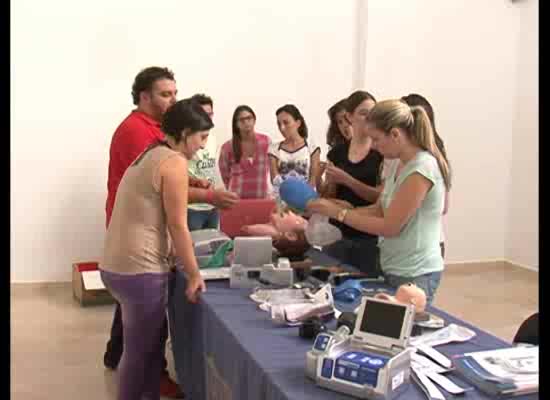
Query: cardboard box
(85, 296)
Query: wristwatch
(342, 214)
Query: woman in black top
(353, 176)
(339, 131)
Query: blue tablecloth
(227, 346)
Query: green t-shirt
(415, 251)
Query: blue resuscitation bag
(297, 193)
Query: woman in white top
(294, 156)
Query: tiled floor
(57, 347)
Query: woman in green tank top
(407, 215)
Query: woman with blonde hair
(407, 215)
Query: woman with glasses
(352, 175)
(243, 161)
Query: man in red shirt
(153, 92)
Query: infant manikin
(407, 293)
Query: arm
(407, 200)
(367, 192)
(219, 198)
(446, 203)
(337, 175)
(199, 195)
(374, 210)
(327, 189)
(315, 167)
(273, 166)
(174, 188)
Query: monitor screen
(383, 319)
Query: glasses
(246, 119)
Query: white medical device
(251, 254)
(371, 363)
(280, 275)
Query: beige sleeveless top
(137, 239)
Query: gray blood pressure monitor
(373, 362)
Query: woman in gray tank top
(148, 227)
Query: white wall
(73, 64)
(462, 56)
(523, 236)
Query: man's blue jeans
(202, 219)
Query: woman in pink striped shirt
(243, 162)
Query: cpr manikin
(282, 224)
(291, 230)
(287, 230)
(407, 293)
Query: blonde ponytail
(389, 114)
(422, 133)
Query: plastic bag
(320, 232)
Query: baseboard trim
(470, 263)
(523, 266)
(29, 282)
(39, 284)
(491, 263)
(474, 262)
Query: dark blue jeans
(427, 282)
(202, 219)
(361, 253)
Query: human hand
(224, 199)
(337, 175)
(200, 183)
(323, 207)
(195, 286)
(343, 203)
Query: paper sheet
(92, 280)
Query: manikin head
(407, 293)
(287, 230)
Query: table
(225, 347)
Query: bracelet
(342, 214)
(210, 196)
